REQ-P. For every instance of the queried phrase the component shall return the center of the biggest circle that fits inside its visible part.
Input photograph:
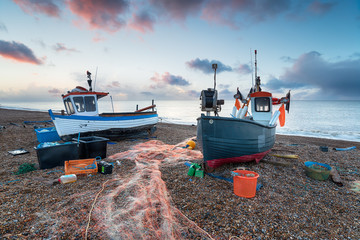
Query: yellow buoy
(190, 144)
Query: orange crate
(83, 166)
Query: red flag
(282, 115)
(237, 104)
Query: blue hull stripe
(99, 118)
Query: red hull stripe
(246, 158)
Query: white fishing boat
(82, 117)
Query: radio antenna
(255, 65)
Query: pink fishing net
(139, 207)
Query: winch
(209, 101)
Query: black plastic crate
(54, 156)
(92, 147)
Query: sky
(164, 49)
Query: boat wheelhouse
(82, 102)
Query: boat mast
(257, 79)
(252, 69)
(214, 66)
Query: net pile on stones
(139, 206)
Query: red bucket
(245, 184)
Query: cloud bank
(18, 52)
(333, 80)
(114, 15)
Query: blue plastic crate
(47, 135)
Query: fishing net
(26, 167)
(139, 206)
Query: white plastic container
(243, 112)
(238, 113)
(233, 114)
(274, 118)
(67, 178)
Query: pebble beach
(288, 204)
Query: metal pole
(214, 78)
(112, 104)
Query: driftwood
(285, 156)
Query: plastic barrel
(245, 185)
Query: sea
(322, 119)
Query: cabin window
(79, 104)
(68, 106)
(262, 104)
(90, 104)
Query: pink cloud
(113, 84)
(47, 7)
(18, 52)
(59, 47)
(142, 22)
(98, 38)
(100, 14)
(168, 79)
(55, 91)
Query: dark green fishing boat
(245, 135)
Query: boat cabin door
(82, 105)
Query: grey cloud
(340, 79)
(18, 51)
(205, 66)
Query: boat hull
(226, 140)
(112, 125)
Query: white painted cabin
(81, 102)
(261, 107)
